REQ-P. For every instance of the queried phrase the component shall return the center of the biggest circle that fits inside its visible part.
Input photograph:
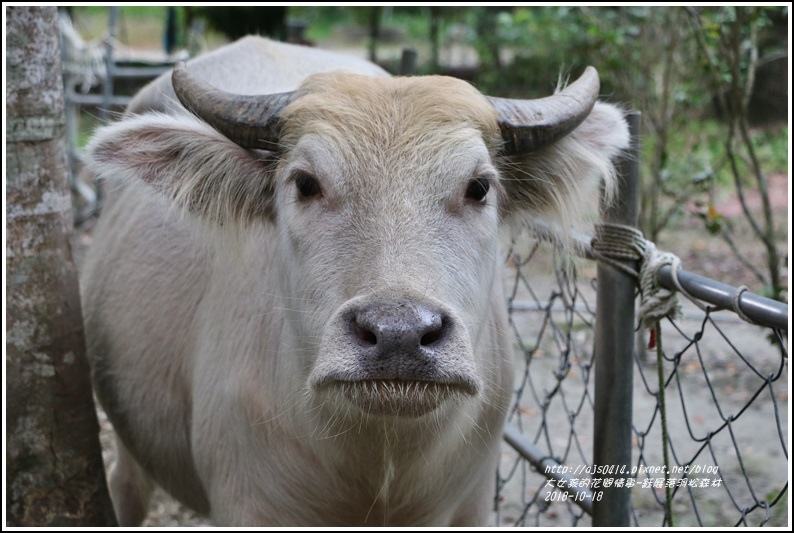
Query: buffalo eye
(477, 189)
(307, 185)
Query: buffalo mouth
(398, 397)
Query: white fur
(207, 357)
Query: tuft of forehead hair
(389, 113)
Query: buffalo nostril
(432, 337)
(363, 334)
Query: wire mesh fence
(692, 426)
(724, 383)
(552, 323)
(726, 391)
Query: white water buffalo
(293, 300)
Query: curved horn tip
(179, 66)
(591, 71)
(528, 125)
(589, 76)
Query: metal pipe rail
(763, 311)
(581, 496)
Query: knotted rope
(618, 245)
(614, 243)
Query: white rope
(656, 302)
(736, 304)
(619, 246)
(614, 243)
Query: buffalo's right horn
(251, 121)
(528, 125)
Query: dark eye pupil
(307, 185)
(477, 189)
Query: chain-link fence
(708, 448)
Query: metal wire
(553, 403)
(724, 382)
(735, 440)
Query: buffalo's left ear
(558, 182)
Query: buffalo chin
(399, 398)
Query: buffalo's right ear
(190, 164)
(558, 182)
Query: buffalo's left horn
(251, 121)
(528, 125)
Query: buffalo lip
(399, 397)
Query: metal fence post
(408, 62)
(107, 88)
(614, 351)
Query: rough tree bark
(54, 471)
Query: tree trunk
(54, 472)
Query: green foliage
(323, 21)
(772, 147)
(697, 174)
(729, 41)
(545, 42)
(415, 21)
(238, 21)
